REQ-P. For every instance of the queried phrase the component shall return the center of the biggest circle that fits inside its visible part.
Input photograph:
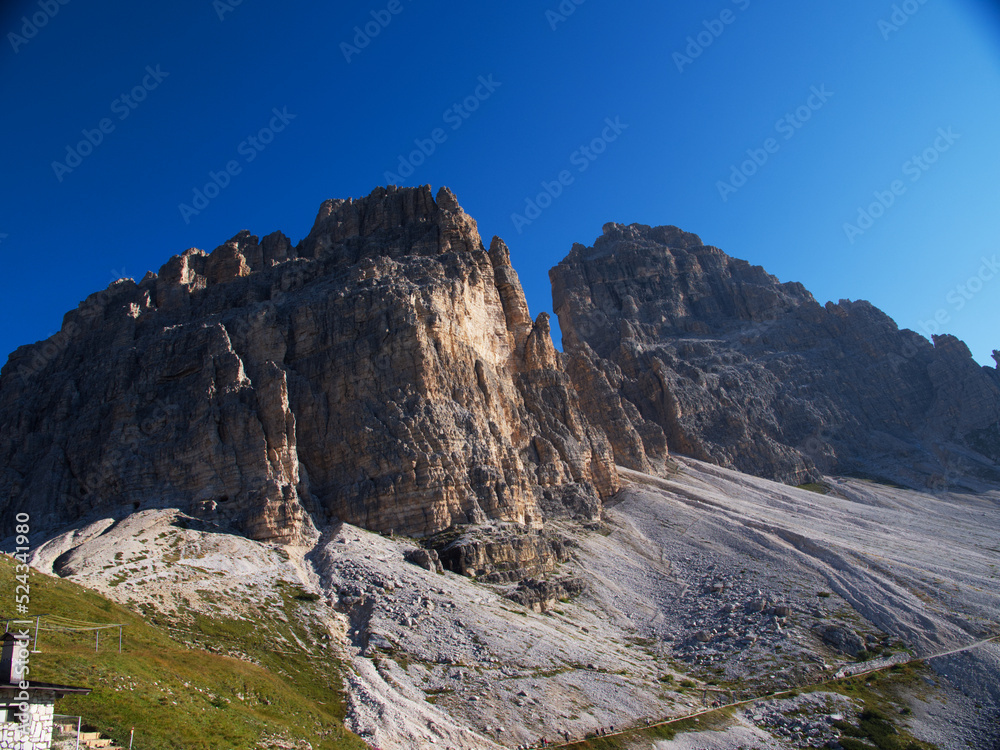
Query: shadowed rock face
(666, 337)
(384, 372)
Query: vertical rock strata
(668, 338)
(384, 372)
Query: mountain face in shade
(384, 372)
(671, 342)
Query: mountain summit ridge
(385, 372)
(738, 368)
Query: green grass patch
(819, 487)
(873, 728)
(180, 695)
(882, 697)
(643, 737)
(432, 696)
(877, 479)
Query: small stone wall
(35, 733)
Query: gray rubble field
(707, 575)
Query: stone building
(31, 729)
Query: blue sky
(822, 109)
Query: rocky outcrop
(542, 595)
(501, 554)
(426, 559)
(384, 371)
(841, 638)
(665, 334)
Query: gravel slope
(710, 574)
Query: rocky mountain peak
(735, 367)
(643, 234)
(384, 371)
(642, 283)
(398, 221)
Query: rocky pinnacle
(384, 371)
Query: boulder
(841, 638)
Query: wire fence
(58, 624)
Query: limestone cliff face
(666, 337)
(385, 372)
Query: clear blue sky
(689, 121)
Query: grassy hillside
(170, 685)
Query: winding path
(771, 696)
